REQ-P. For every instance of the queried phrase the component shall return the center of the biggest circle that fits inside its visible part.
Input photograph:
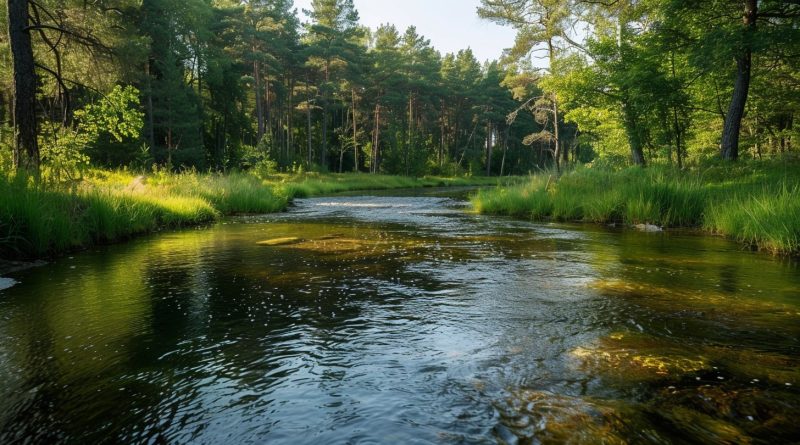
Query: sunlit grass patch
(769, 220)
(754, 203)
(39, 219)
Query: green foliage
(116, 114)
(64, 150)
(754, 203)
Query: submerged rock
(648, 228)
(547, 418)
(731, 310)
(633, 357)
(280, 241)
(345, 247)
(717, 414)
(768, 367)
(7, 267)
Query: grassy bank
(756, 204)
(38, 220)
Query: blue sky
(450, 25)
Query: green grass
(769, 220)
(38, 220)
(755, 203)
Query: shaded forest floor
(39, 220)
(756, 203)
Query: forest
(236, 85)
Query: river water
(402, 319)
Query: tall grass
(769, 220)
(754, 203)
(38, 219)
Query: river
(402, 319)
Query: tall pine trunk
(323, 157)
(309, 158)
(290, 121)
(26, 147)
(505, 151)
(355, 132)
(259, 102)
(554, 98)
(733, 120)
(489, 147)
(376, 140)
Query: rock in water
(648, 228)
(6, 283)
(280, 241)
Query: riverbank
(754, 203)
(38, 220)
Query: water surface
(402, 319)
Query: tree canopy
(229, 84)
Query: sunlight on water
(393, 319)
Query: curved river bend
(396, 319)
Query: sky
(450, 25)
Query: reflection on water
(402, 319)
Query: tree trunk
(323, 157)
(376, 137)
(678, 137)
(151, 130)
(634, 138)
(259, 103)
(556, 133)
(26, 147)
(3, 113)
(355, 133)
(268, 114)
(443, 142)
(489, 147)
(505, 151)
(552, 54)
(290, 122)
(410, 131)
(309, 158)
(733, 120)
(201, 128)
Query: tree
(744, 63)
(26, 147)
(728, 36)
(332, 39)
(537, 22)
(175, 65)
